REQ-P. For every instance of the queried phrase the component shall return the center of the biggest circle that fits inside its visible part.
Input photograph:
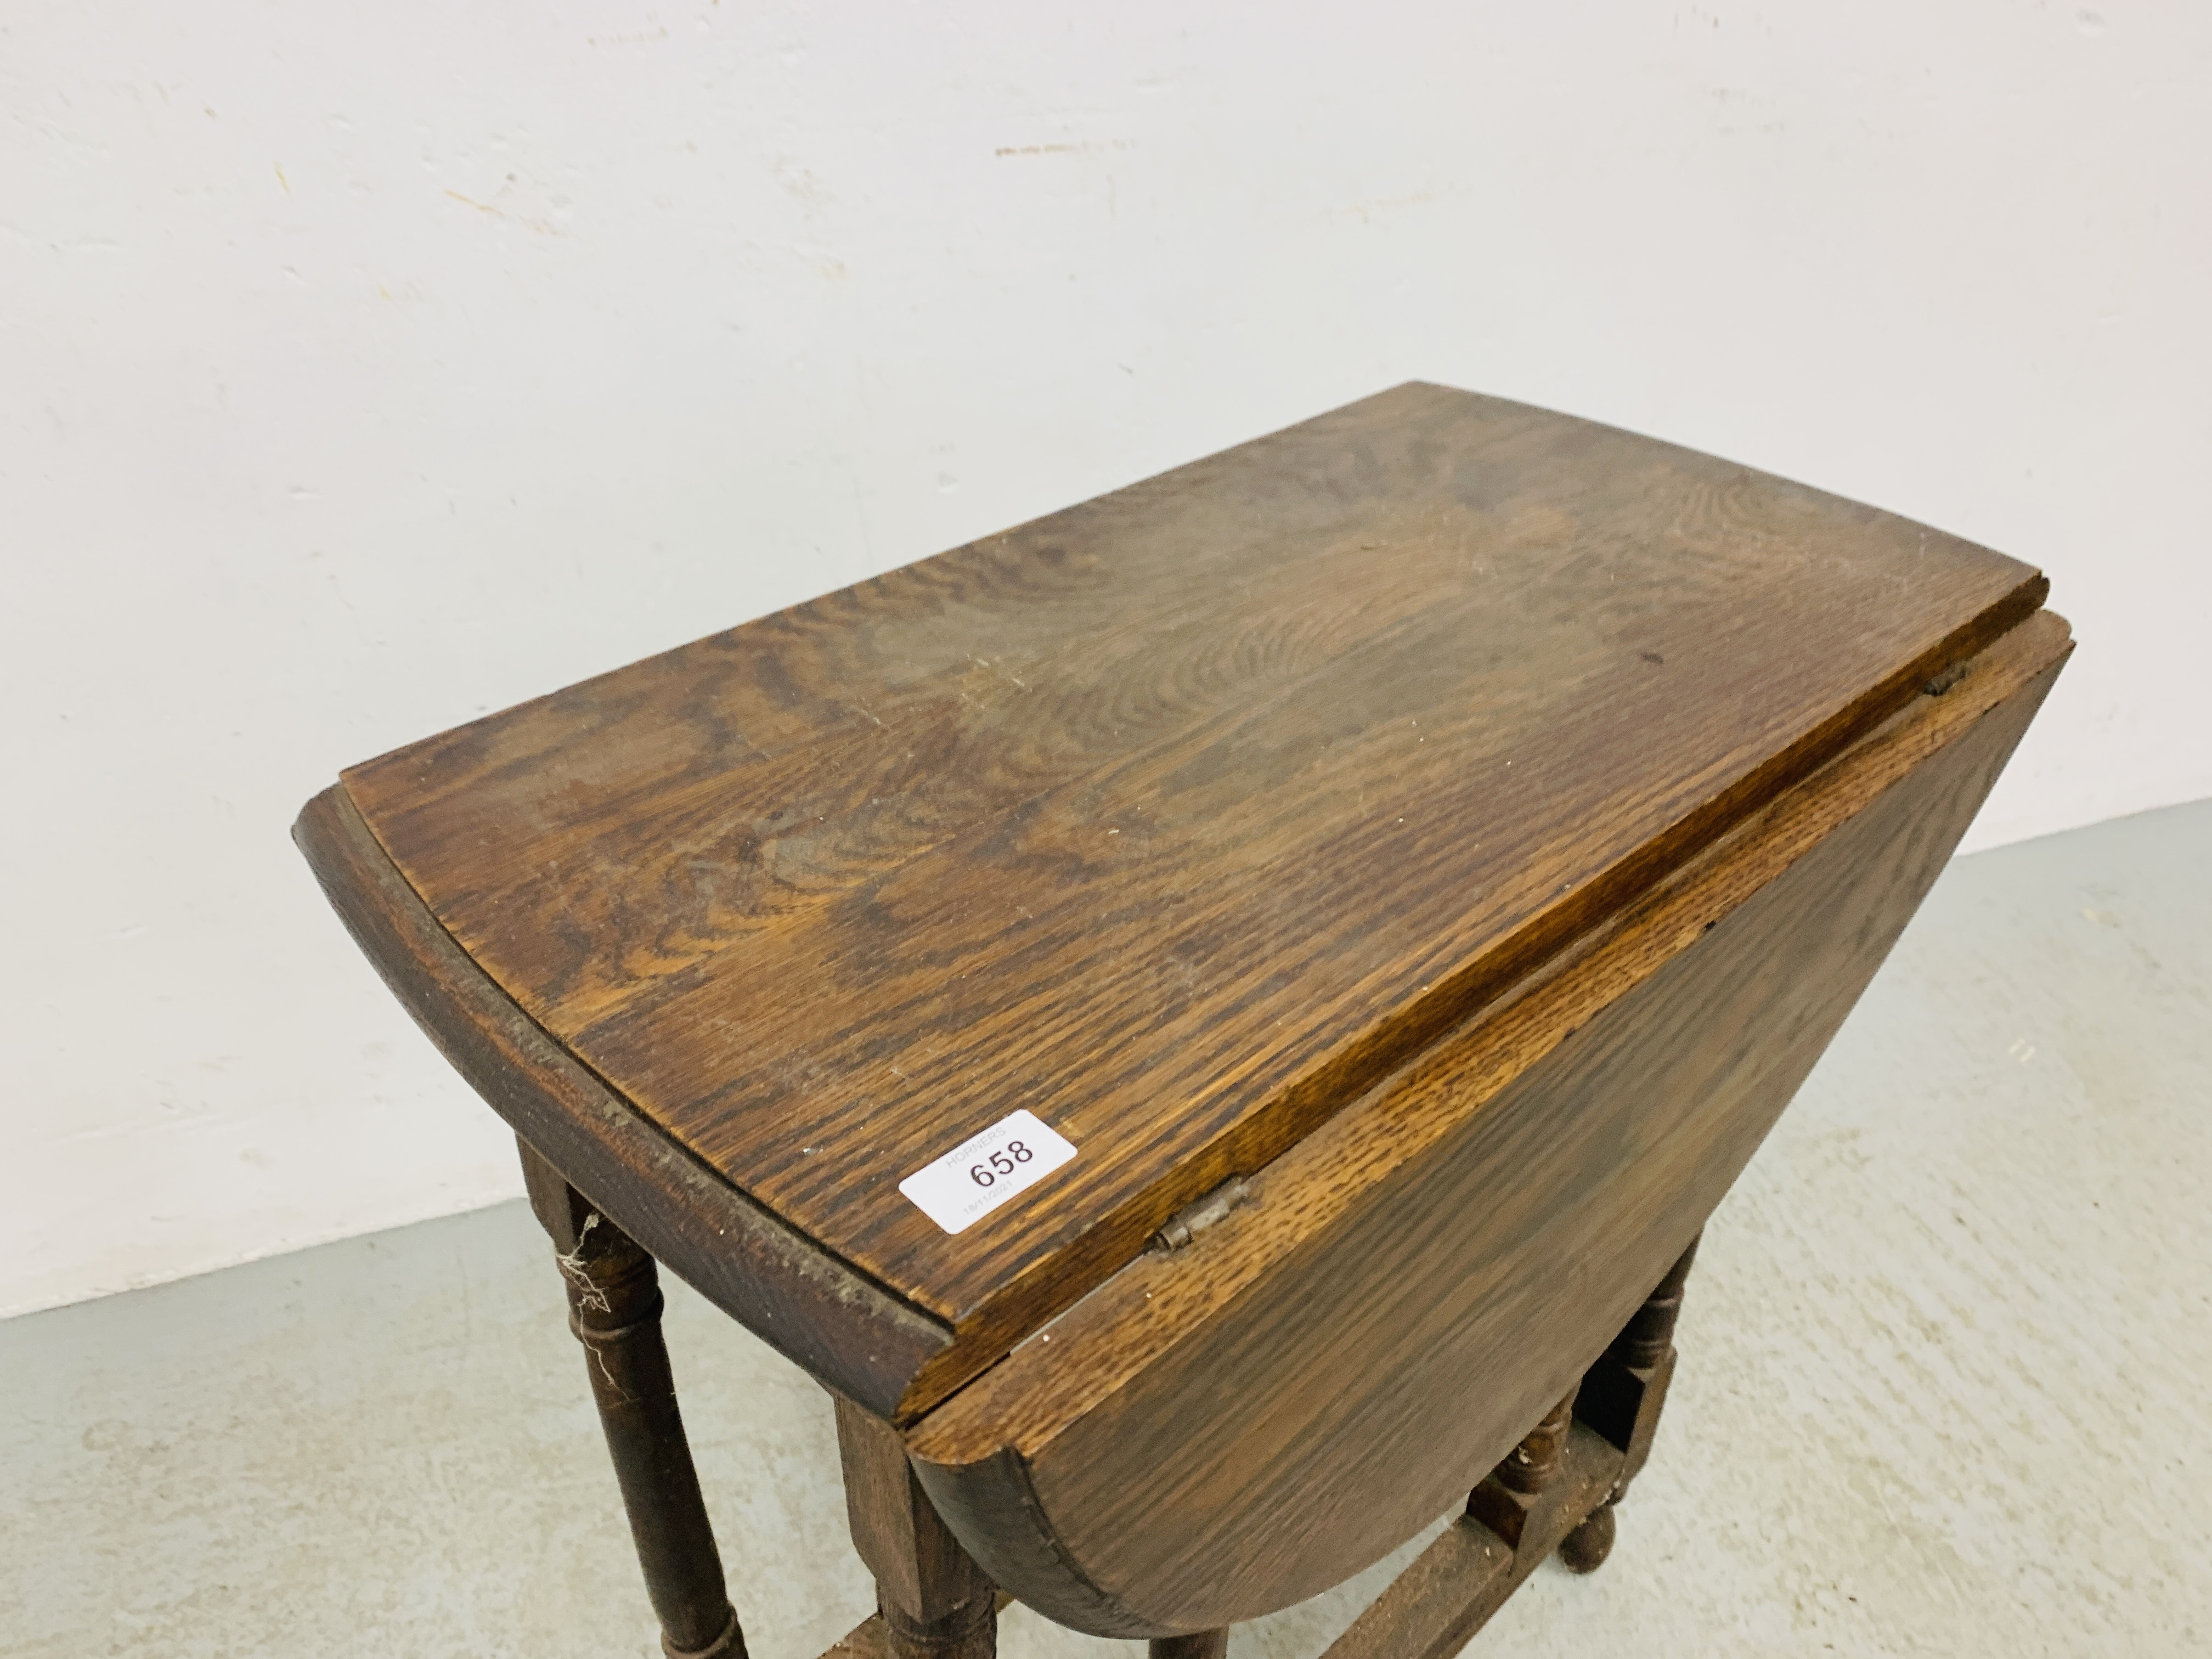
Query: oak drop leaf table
(1211, 1022)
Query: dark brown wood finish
(1589, 1545)
(934, 1602)
(1222, 1429)
(871, 1637)
(614, 1308)
(1200, 1644)
(1513, 1492)
(1432, 1609)
(1552, 1495)
(1414, 857)
(1180, 819)
(1621, 1397)
(807, 1304)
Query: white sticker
(984, 1170)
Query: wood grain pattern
(934, 1602)
(806, 1304)
(1223, 1430)
(1180, 819)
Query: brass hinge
(1193, 1219)
(1948, 677)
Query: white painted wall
(361, 370)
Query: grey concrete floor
(1942, 1388)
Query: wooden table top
(1177, 819)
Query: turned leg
(935, 1602)
(1621, 1397)
(613, 1308)
(1513, 1501)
